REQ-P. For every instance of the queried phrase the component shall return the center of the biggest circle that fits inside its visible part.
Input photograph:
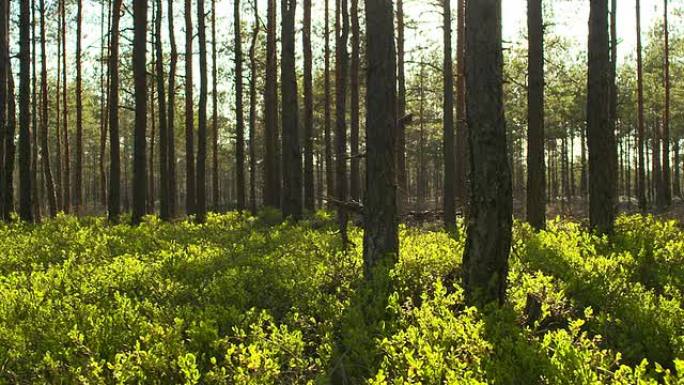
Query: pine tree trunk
(272, 153)
(190, 178)
(173, 60)
(202, 117)
(252, 110)
(214, 124)
(114, 196)
(140, 85)
(536, 194)
(327, 119)
(164, 187)
(400, 152)
(292, 158)
(239, 117)
(308, 110)
(355, 170)
(600, 135)
(485, 259)
(45, 150)
(461, 129)
(66, 159)
(380, 239)
(667, 178)
(449, 200)
(341, 60)
(25, 205)
(10, 148)
(78, 174)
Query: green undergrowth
(249, 300)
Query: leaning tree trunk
(292, 160)
(600, 136)
(114, 196)
(25, 205)
(536, 192)
(380, 238)
(485, 259)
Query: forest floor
(249, 300)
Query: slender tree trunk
(78, 174)
(4, 95)
(66, 168)
(114, 196)
(140, 85)
(10, 148)
(35, 170)
(341, 60)
(214, 106)
(239, 117)
(292, 157)
(402, 184)
(151, 193)
(252, 109)
(536, 194)
(380, 239)
(25, 205)
(641, 179)
(202, 117)
(104, 98)
(164, 187)
(449, 202)
(461, 129)
(355, 171)
(667, 178)
(600, 135)
(190, 178)
(327, 119)
(45, 150)
(173, 185)
(676, 185)
(272, 153)
(485, 259)
(309, 193)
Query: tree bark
(45, 150)
(402, 183)
(239, 117)
(308, 110)
(173, 60)
(461, 129)
(190, 181)
(78, 174)
(355, 171)
(202, 117)
(114, 196)
(449, 203)
(341, 60)
(164, 187)
(66, 159)
(140, 85)
(214, 123)
(641, 169)
(272, 153)
(327, 119)
(292, 158)
(252, 109)
(380, 239)
(600, 136)
(667, 173)
(485, 259)
(25, 205)
(10, 148)
(536, 194)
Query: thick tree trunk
(252, 110)
(380, 239)
(25, 205)
(292, 158)
(239, 116)
(341, 60)
(355, 171)
(140, 85)
(600, 136)
(202, 117)
(45, 150)
(400, 153)
(272, 153)
(485, 259)
(309, 193)
(114, 196)
(536, 194)
(164, 212)
(449, 200)
(173, 60)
